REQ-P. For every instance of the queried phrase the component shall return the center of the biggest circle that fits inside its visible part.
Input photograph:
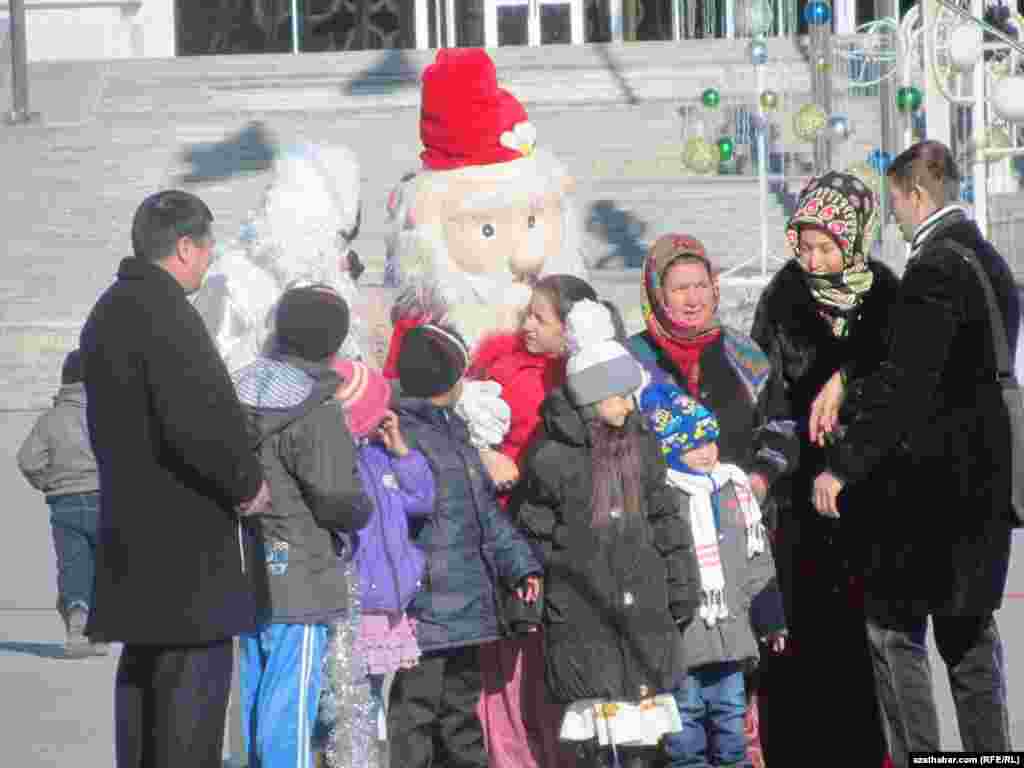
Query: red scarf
(685, 355)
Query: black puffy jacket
(612, 595)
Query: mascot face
(488, 231)
(480, 236)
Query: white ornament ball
(1008, 98)
(965, 47)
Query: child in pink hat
(389, 565)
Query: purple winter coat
(389, 564)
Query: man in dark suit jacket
(923, 471)
(176, 470)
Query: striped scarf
(926, 228)
(701, 488)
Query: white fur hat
(599, 367)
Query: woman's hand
(529, 589)
(776, 641)
(391, 436)
(826, 490)
(256, 504)
(503, 471)
(759, 487)
(825, 409)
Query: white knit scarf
(705, 536)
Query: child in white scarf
(739, 591)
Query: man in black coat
(927, 446)
(176, 469)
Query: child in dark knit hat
(735, 573)
(57, 459)
(468, 543)
(309, 463)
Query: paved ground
(70, 184)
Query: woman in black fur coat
(827, 310)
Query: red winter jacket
(525, 378)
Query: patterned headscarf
(657, 315)
(844, 207)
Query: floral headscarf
(657, 314)
(844, 207)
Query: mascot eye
(531, 221)
(487, 230)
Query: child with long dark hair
(594, 502)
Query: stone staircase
(112, 132)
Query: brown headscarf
(657, 315)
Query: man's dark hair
(164, 218)
(930, 166)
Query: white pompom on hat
(599, 367)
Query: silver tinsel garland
(347, 711)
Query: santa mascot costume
(488, 214)
(301, 235)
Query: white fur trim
(314, 195)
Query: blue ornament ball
(880, 161)
(758, 52)
(839, 127)
(817, 13)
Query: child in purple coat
(388, 564)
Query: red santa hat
(465, 118)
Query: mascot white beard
(468, 244)
(301, 235)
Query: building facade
(115, 29)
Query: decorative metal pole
(295, 26)
(19, 66)
(979, 128)
(761, 137)
(887, 9)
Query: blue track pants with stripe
(281, 676)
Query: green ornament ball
(769, 101)
(711, 98)
(725, 149)
(908, 99)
